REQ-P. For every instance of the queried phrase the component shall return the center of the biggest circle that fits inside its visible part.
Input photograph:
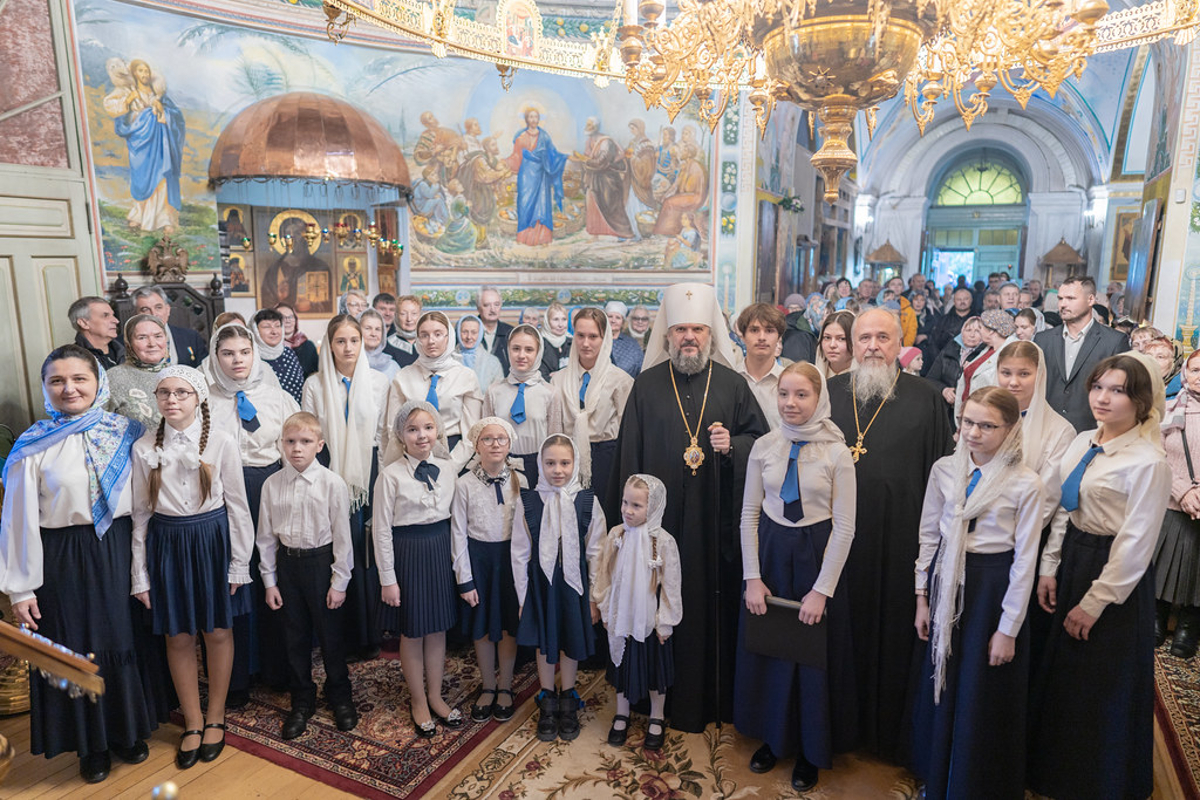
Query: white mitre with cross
(689, 304)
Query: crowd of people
(983, 497)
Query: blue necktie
(346, 383)
(248, 413)
(517, 412)
(427, 473)
(1070, 489)
(587, 378)
(789, 493)
(431, 398)
(975, 476)
(499, 484)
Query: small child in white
(636, 580)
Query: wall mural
(556, 174)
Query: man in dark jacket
(799, 342)
(951, 322)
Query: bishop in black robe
(910, 433)
(702, 513)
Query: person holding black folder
(798, 514)
(980, 529)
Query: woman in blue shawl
(65, 538)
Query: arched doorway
(977, 217)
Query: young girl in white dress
(524, 398)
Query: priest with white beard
(896, 427)
(690, 421)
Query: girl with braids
(524, 398)
(347, 396)
(481, 519)
(251, 408)
(192, 539)
(980, 528)
(65, 550)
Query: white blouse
(1013, 522)
(460, 405)
(402, 499)
(274, 405)
(179, 494)
(539, 408)
(45, 490)
(605, 424)
(828, 490)
(305, 510)
(522, 542)
(1053, 449)
(475, 514)
(313, 401)
(1123, 494)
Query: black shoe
(654, 741)
(95, 767)
(345, 716)
(237, 699)
(504, 713)
(616, 736)
(136, 753)
(568, 715)
(482, 712)
(209, 752)
(295, 724)
(804, 775)
(547, 726)
(425, 730)
(186, 759)
(1162, 614)
(763, 760)
(1187, 633)
(452, 721)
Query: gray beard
(874, 384)
(688, 365)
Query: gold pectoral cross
(858, 449)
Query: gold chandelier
(834, 58)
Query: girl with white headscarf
(797, 525)
(636, 579)
(348, 397)
(440, 379)
(524, 398)
(591, 393)
(251, 409)
(550, 571)
(481, 519)
(980, 527)
(1093, 698)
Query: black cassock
(911, 433)
(652, 441)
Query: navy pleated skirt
(85, 605)
(424, 570)
(1092, 703)
(1177, 560)
(258, 643)
(972, 742)
(530, 468)
(603, 454)
(646, 666)
(554, 617)
(793, 708)
(188, 562)
(496, 613)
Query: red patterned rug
(382, 757)
(1177, 708)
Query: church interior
(298, 149)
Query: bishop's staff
(719, 432)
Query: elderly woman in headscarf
(375, 344)
(998, 330)
(131, 384)
(488, 369)
(814, 310)
(354, 303)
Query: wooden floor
(236, 774)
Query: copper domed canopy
(307, 136)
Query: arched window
(981, 183)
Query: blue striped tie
(247, 413)
(1070, 488)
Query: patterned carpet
(1178, 712)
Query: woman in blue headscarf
(488, 368)
(65, 539)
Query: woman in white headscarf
(1093, 698)
(439, 378)
(591, 392)
(488, 368)
(797, 525)
(524, 399)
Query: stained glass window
(980, 184)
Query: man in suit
(187, 346)
(494, 335)
(1074, 348)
